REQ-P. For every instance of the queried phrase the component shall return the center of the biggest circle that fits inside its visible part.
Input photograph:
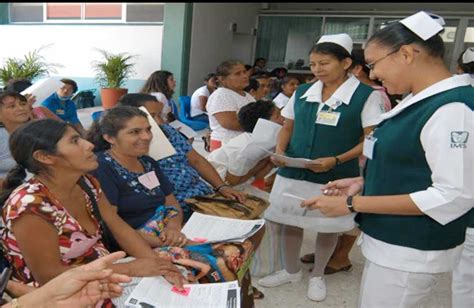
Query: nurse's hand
(343, 187)
(328, 206)
(277, 162)
(322, 164)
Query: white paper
(290, 161)
(43, 88)
(160, 147)
(212, 229)
(263, 139)
(156, 292)
(184, 129)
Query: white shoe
(316, 289)
(278, 278)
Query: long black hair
(111, 122)
(41, 135)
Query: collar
(441, 86)
(342, 94)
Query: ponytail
(15, 178)
(94, 135)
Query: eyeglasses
(371, 66)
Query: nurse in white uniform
(418, 182)
(325, 122)
(463, 274)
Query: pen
(297, 197)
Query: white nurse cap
(424, 25)
(468, 55)
(341, 39)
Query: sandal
(308, 258)
(257, 294)
(331, 270)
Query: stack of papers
(157, 292)
(264, 138)
(43, 88)
(291, 161)
(212, 229)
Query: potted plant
(32, 66)
(111, 74)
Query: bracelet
(14, 303)
(338, 161)
(220, 187)
(349, 204)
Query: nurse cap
(342, 39)
(468, 55)
(423, 24)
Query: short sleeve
(373, 108)
(107, 178)
(222, 102)
(289, 110)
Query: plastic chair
(96, 115)
(184, 114)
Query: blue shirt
(136, 204)
(186, 180)
(66, 110)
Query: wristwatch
(349, 204)
(338, 161)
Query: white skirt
(287, 210)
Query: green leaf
(114, 70)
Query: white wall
(73, 45)
(212, 41)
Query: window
(86, 12)
(286, 40)
(469, 36)
(357, 28)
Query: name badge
(369, 144)
(149, 180)
(60, 111)
(328, 118)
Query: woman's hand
(173, 237)
(343, 187)
(329, 206)
(157, 266)
(81, 286)
(30, 99)
(322, 164)
(231, 193)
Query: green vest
(399, 167)
(311, 140)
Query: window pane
(103, 11)
(357, 28)
(448, 36)
(286, 40)
(26, 12)
(63, 11)
(145, 12)
(469, 37)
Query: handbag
(108, 238)
(218, 205)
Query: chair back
(185, 107)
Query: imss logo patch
(459, 140)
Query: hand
(329, 206)
(231, 193)
(343, 187)
(277, 162)
(30, 99)
(322, 164)
(158, 266)
(82, 286)
(173, 237)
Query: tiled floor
(343, 288)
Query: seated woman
(234, 160)
(39, 112)
(49, 222)
(161, 84)
(187, 168)
(288, 86)
(135, 184)
(200, 96)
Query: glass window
(357, 28)
(103, 11)
(286, 40)
(145, 12)
(63, 11)
(26, 12)
(469, 37)
(448, 37)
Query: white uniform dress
(408, 272)
(222, 100)
(287, 210)
(463, 274)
